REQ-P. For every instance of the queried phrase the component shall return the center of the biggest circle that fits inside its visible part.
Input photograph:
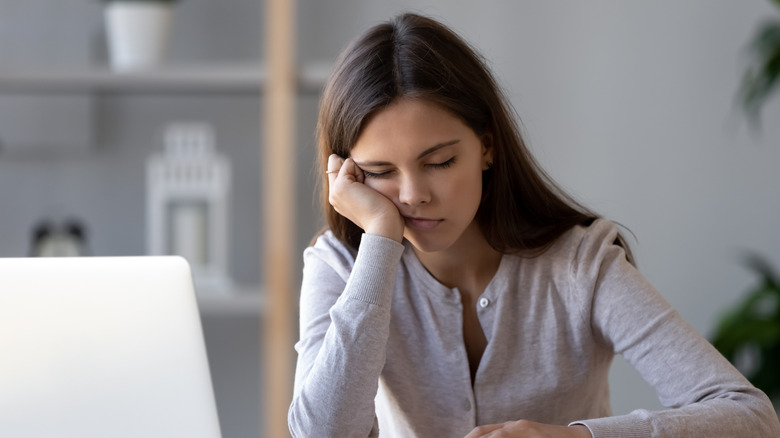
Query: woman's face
(429, 163)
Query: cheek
(466, 191)
(467, 181)
(383, 186)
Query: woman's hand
(367, 208)
(529, 429)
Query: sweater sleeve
(705, 394)
(344, 326)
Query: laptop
(102, 347)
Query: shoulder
(585, 237)
(579, 250)
(585, 246)
(328, 250)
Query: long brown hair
(411, 56)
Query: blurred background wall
(630, 105)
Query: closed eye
(443, 165)
(368, 174)
(385, 174)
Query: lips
(421, 223)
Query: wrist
(581, 431)
(386, 230)
(392, 229)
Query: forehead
(409, 125)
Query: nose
(414, 191)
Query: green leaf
(766, 39)
(761, 266)
(761, 333)
(756, 320)
(761, 76)
(755, 324)
(766, 376)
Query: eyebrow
(428, 151)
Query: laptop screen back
(102, 347)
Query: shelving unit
(279, 215)
(206, 79)
(280, 81)
(221, 79)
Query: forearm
(707, 395)
(714, 418)
(336, 397)
(342, 349)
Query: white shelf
(236, 302)
(247, 78)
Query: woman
(458, 292)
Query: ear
(487, 151)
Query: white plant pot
(137, 33)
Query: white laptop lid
(100, 347)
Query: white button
(483, 302)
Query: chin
(424, 244)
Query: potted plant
(763, 72)
(138, 32)
(749, 335)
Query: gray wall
(628, 104)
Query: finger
(483, 430)
(350, 168)
(361, 177)
(334, 166)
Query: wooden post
(278, 187)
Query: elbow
(294, 423)
(303, 423)
(764, 417)
(771, 421)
